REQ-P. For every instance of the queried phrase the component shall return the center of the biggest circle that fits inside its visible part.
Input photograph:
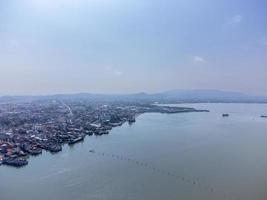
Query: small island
(28, 128)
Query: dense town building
(28, 128)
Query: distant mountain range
(210, 96)
(172, 96)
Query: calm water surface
(228, 155)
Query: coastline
(17, 147)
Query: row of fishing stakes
(164, 172)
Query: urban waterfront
(29, 127)
(191, 156)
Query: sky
(119, 46)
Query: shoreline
(17, 147)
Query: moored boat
(75, 140)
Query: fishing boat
(78, 139)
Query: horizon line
(126, 93)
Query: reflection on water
(191, 156)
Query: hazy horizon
(195, 92)
(123, 93)
(117, 47)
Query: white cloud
(11, 45)
(236, 19)
(198, 59)
(114, 71)
(262, 41)
(118, 73)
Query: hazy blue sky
(117, 46)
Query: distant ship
(264, 116)
(225, 115)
